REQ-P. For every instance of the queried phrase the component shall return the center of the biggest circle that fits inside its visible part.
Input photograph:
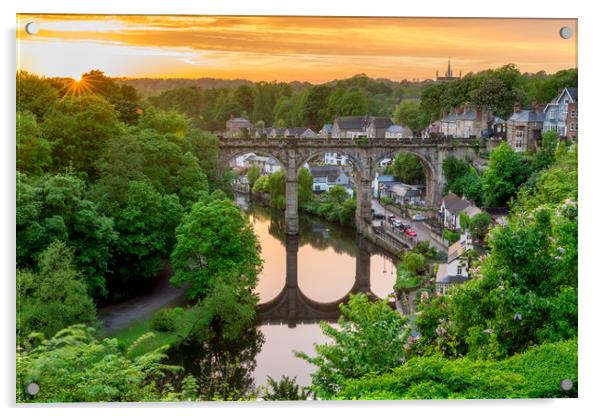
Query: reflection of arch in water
(292, 306)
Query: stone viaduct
(364, 155)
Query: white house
(451, 208)
(401, 193)
(378, 184)
(455, 270)
(332, 158)
(398, 132)
(265, 163)
(325, 177)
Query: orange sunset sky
(315, 49)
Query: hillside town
(401, 210)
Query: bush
(451, 236)
(165, 319)
(385, 200)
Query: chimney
(516, 107)
(534, 105)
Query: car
(405, 225)
(409, 232)
(390, 219)
(418, 217)
(377, 216)
(397, 223)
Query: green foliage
(262, 184)
(74, 366)
(479, 225)
(146, 227)
(371, 339)
(408, 168)
(524, 292)
(505, 173)
(409, 114)
(305, 182)
(34, 94)
(146, 155)
(451, 236)
(165, 319)
(253, 174)
(335, 205)
(214, 239)
(385, 200)
(284, 389)
(533, 374)
(414, 263)
(79, 128)
(54, 208)
(34, 152)
(52, 296)
(205, 147)
(164, 122)
(462, 179)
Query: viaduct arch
(365, 154)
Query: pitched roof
(385, 178)
(351, 122)
(444, 276)
(396, 129)
(327, 128)
(527, 116)
(574, 93)
(454, 204)
(381, 122)
(327, 171)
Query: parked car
(410, 232)
(390, 219)
(377, 216)
(397, 223)
(418, 217)
(405, 225)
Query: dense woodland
(112, 187)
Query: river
(304, 278)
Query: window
(519, 134)
(572, 114)
(572, 126)
(459, 270)
(552, 114)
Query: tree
(408, 168)
(146, 225)
(414, 263)
(35, 94)
(371, 339)
(284, 389)
(454, 169)
(313, 107)
(505, 172)
(74, 366)
(215, 238)
(479, 225)
(79, 128)
(205, 147)
(532, 374)
(409, 114)
(34, 153)
(305, 182)
(55, 208)
(253, 174)
(53, 295)
(469, 186)
(165, 122)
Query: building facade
(524, 128)
(561, 112)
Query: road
(422, 231)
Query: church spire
(449, 71)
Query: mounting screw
(566, 384)
(32, 28)
(566, 32)
(32, 389)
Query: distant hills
(153, 86)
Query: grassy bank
(128, 335)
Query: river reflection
(304, 279)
